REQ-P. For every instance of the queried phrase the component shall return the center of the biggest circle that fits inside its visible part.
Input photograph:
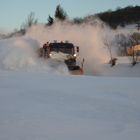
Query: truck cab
(67, 49)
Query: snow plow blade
(75, 70)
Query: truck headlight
(75, 55)
(50, 54)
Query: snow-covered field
(41, 106)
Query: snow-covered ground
(123, 68)
(41, 106)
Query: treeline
(121, 17)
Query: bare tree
(135, 39)
(108, 45)
(122, 41)
(31, 20)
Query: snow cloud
(88, 37)
(21, 52)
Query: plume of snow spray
(20, 52)
(86, 36)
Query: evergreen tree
(50, 21)
(78, 20)
(60, 14)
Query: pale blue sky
(14, 12)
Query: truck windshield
(62, 47)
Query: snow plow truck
(65, 50)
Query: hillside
(121, 17)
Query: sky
(13, 13)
